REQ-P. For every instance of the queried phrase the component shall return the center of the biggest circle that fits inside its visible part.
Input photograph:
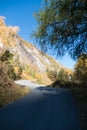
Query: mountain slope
(33, 63)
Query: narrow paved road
(44, 109)
(28, 84)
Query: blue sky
(20, 13)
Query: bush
(52, 74)
(5, 60)
(80, 70)
(6, 56)
(55, 75)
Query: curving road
(44, 109)
(28, 84)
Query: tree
(63, 24)
(62, 75)
(7, 56)
(5, 60)
(55, 75)
(80, 73)
(52, 74)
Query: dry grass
(9, 91)
(8, 95)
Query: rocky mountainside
(33, 63)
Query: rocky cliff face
(34, 64)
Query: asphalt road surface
(44, 109)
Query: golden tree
(80, 71)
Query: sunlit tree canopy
(80, 70)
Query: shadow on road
(44, 109)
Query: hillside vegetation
(21, 60)
(31, 63)
(9, 91)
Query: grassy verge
(8, 95)
(9, 91)
(79, 94)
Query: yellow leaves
(16, 69)
(13, 30)
(26, 76)
(38, 76)
(68, 71)
(7, 32)
(80, 71)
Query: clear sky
(21, 13)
